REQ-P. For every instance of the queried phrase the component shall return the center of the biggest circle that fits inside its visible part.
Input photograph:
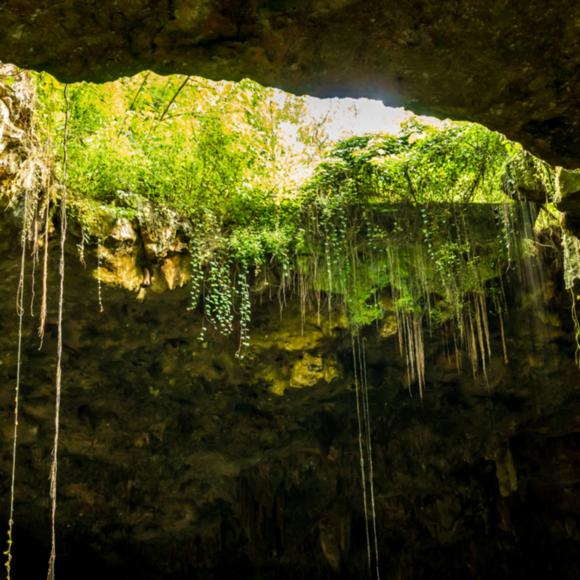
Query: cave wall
(179, 460)
(512, 66)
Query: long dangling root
(365, 449)
(58, 380)
(367, 416)
(576, 328)
(99, 282)
(44, 296)
(361, 450)
(20, 312)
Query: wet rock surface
(568, 198)
(512, 66)
(179, 460)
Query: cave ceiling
(511, 65)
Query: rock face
(512, 66)
(180, 461)
(17, 163)
(568, 198)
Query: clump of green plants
(380, 226)
(436, 268)
(459, 163)
(420, 225)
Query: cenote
(249, 333)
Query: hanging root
(367, 415)
(20, 312)
(365, 449)
(410, 334)
(44, 294)
(34, 240)
(361, 451)
(58, 379)
(99, 283)
(481, 341)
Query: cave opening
(291, 347)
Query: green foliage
(463, 163)
(213, 154)
(528, 178)
(445, 250)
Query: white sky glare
(347, 117)
(339, 118)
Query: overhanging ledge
(512, 66)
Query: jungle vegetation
(363, 217)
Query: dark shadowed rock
(180, 461)
(512, 66)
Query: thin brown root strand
(480, 336)
(20, 313)
(34, 260)
(576, 323)
(456, 350)
(419, 355)
(362, 462)
(502, 334)
(471, 342)
(485, 320)
(58, 377)
(44, 294)
(99, 282)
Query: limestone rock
(527, 177)
(119, 268)
(505, 472)
(568, 191)
(312, 369)
(176, 271)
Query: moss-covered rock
(568, 191)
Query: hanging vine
(363, 414)
(361, 424)
(245, 307)
(44, 292)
